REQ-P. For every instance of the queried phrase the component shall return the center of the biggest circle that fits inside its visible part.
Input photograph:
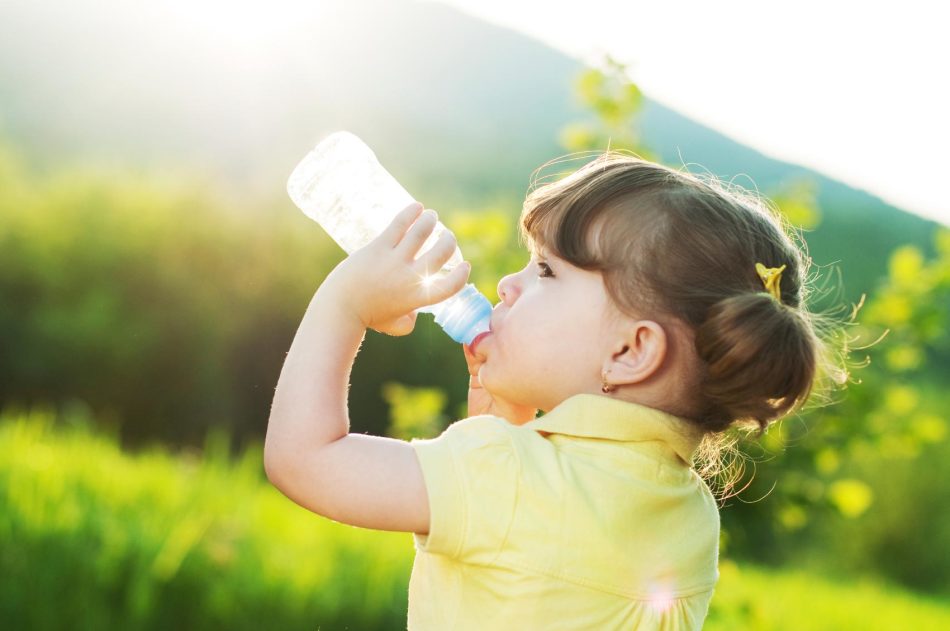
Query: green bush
(147, 301)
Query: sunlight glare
(428, 280)
(661, 599)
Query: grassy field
(94, 538)
(757, 598)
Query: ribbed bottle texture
(342, 186)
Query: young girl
(656, 311)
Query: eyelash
(546, 271)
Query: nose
(508, 289)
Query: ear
(637, 355)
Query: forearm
(310, 403)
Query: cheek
(525, 331)
(531, 350)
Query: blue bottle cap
(464, 315)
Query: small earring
(606, 388)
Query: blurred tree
(797, 200)
(615, 101)
(146, 300)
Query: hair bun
(759, 359)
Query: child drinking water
(657, 310)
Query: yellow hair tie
(771, 277)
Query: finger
(469, 356)
(418, 233)
(450, 284)
(406, 324)
(402, 325)
(394, 232)
(438, 254)
(472, 362)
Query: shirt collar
(594, 416)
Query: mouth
(478, 338)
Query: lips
(491, 329)
(478, 338)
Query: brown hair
(683, 248)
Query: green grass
(755, 598)
(94, 538)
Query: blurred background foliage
(142, 329)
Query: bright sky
(855, 90)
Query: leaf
(578, 137)
(797, 200)
(903, 357)
(414, 412)
(589, 85)
(792, 517)
(851, 497)
(942, 241)
(891, 309)
(906, 266)
(929, 428)
(901, 400)
(632, 97)
(827, 460)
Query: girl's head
(647, 276)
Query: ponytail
(759, 358)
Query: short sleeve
(471, 475)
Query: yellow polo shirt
(601, 524)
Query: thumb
(405, 324)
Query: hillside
(459, 110)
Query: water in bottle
(342, 186)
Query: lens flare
(661, 599)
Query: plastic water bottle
(342, 186)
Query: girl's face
(549, 334)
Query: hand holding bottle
(342, 186)
(383, 283)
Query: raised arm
(309, 454)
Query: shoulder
(483, 426)
(480, 434)
(471, 472)
(483, 434)
(486, 430)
